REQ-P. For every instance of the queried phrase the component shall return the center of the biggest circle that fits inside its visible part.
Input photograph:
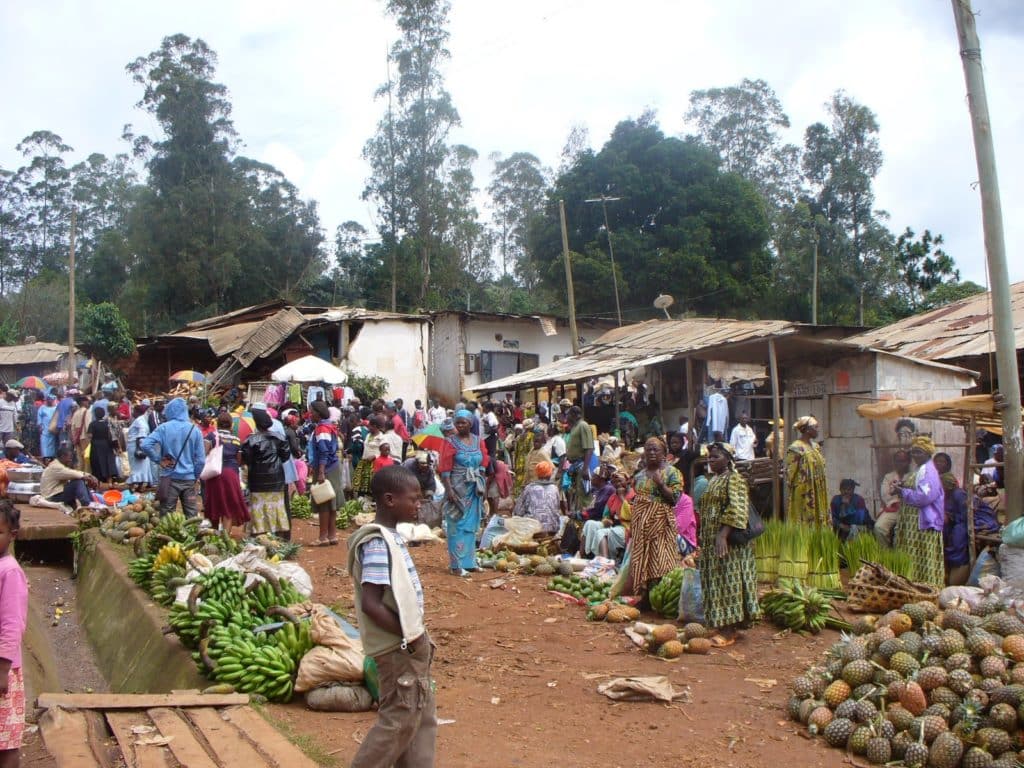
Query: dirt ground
(517, 672)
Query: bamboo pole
(773, 365)
(995, 250)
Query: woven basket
(875, 589)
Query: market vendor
(15, 451)
(420, 466)
(955, 538)
(921, 517)
(62, 484)
(850, 515)
(540, 499)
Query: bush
(367, 388)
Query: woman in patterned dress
(652, 545)
(462, 463)
(808, 500)
(922, 515)
(728, 574)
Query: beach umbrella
(194, 377)
(243, 425)
(310, 369)
(31, 382)
(430, 438)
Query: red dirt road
(541, 662)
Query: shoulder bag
(163, 488)
(214, 463)
(755, 527)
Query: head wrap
(464, 413)
(658, 440)
(805, 421)
(924, 443)
(146, 402)
(606, 471)
(422, 457)
(319, 407)
(948, 480)
(334, 414)
(448, 425)
(544, 469)
(726, 448)
(527, 424)
(848, 482)
(261, 418)
(12, 443)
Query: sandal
(320, 543)
(333, 542)
(462, 573)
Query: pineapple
(807, 706)
(959, 661)
(864, 625)
(803, 685)
(1003, 716)
(864, 711)
(1004, 624)
(887, 648)
(916, 755)
(916, 612)
(945, 751)
(943, 695)
(1017, 673)
(899, 744)
(938, 710)
(793, 707)
(858, 743)
(960, 681)
(848, 709)
(976, 757)
(858, 672)
(836, 693)
(913, 643)
(878, 751)
(994, 741)
(693, 630)
(951, 642)
(912, 698)
(1013, 646)
(898, 622)
(819, 720)
(992, 666)
(898, 715)
(904, 663)
(980, 643)
(956, 619)
(838, 732)
(929, 727)
(930, 678)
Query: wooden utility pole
(611, 251)
(568, 280)
(995, 251)
(814, 286)
(72, 362)
(777, 447)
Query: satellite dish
(663, 302)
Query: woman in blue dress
(47, 439)
(462, 464)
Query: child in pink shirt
(13, 609)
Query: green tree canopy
(104, 333)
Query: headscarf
(544, 470)
(462, 413)
(659, 440)
(948, 480)
(924, 443)
(448, 425)
(319, 407)
(805, 421)
(99, 413)
(262, 419)
(726, 448)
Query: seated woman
(540, 500)
(850, 515)
(607, 536)
(603, 490)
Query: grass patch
(307, 744)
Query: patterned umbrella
(430, 438)
(31, 382)
(243, 425)
(194, 377)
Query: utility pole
(568, 280)
(71, 304)
(611, 253)
(391, 212)
(814, 287)
(995, 250)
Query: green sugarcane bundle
(862, 547)
(793, 552)
(823, 558)
(896, 561)
(766, 552)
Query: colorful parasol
(194, 377)
(430, 438)
(31, 382)
(243, 425)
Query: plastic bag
(1013, 533)
(518, 531)
(602, 568)
(1011, 563)
(495, 527)
(691, 597)
(985, 565)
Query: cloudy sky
(301, 77)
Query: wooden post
(568, 281)
(814, 284)
(71, 304)
(995, 250)
(972, 425)
(773, 365)
(615, 400)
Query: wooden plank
(229, 745)
(183, 744)
(100, 741)
(66, 736)
(270, 742)
(136, 755)
(140, 700)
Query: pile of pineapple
(922, 686)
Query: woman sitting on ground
(540, 500)
(607, 535)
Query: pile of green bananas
(664, 595)
(302, 507)
(268, 669)
(140, 570)
(799, 608)
(348, 512)
(221, 585)
(164, 583)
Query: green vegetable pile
(302, 507)
(664, 595)
(591, 590)
(348, 512)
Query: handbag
(755, 527)
(139, 453)
(52, 426)
(214, 463)
(163, 488)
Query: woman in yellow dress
(806, 486)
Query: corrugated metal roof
(28, 354)
(961, 329)
(269, 335)
(224, 340)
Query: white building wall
(446, 358)
(398, 350)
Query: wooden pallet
(179, 730)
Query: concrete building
(468, 349)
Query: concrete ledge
(125, 627)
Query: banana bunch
(222, 585)
(261, 598)
(294, 639)
(664, 596)
(185, 624)
(165, 582)
(141, 570)
(251, 668)
(348, 512)
(173, 527)
(169, 553)
(799, 608)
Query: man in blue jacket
(177, 446)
